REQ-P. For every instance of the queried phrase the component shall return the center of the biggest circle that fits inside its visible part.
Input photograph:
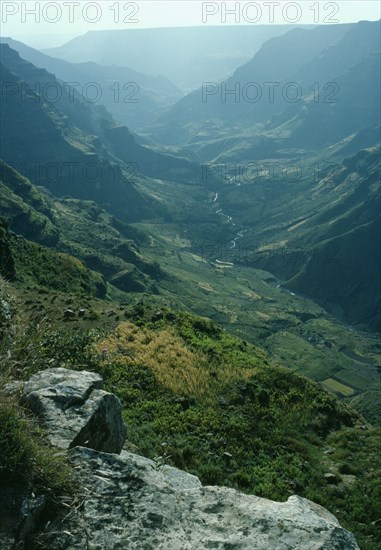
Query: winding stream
(233, 243)
(240, 234)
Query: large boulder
(132, 502)
(76, 410)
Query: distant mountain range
(186, 56)
(306, 87)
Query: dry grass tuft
(176, 366)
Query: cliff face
(128, 501)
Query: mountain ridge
(133, 98)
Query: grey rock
(78, 383)
(13, 389)
(178, 479)
(75, 410)
(331, 478)
(31, 511)
(130, 503)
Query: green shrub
(211, 473)
(5, 312)
(27, 459)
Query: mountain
(38, 133)
(57, 139)
(313, 73)
(347, 236)
(186, 56)
(73, 227)
(326, 243)
(132, 98)
(313, 125)
(353, 68)
(276, 62)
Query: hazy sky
(48, 23)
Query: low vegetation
(27, 459)
(27, 463)
(203, 400)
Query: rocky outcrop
(128, 501)
(75, 410)
(131, 503)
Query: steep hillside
(349, 231)
(25, 208)
(81, 228)
(315, 124)
(132, 98)
(35, 266)
(196, 397)
(326, 243)
(57, 139)
(297, 83)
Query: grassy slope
(28, 464)
(26, 207)
(79, 228)
(205, 401)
